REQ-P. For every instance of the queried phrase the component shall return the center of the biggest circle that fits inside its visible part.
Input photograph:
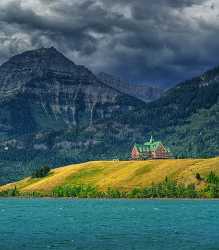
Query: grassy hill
(122, 175)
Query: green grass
(84, 174)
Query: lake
(62, 224)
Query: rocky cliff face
(44, 85)
(143, 92)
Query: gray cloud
(161, 42)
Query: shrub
(198, 177)
(41, 172)
(10, 193)
(81, 191)
(212, 178)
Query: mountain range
(143, 92)
(54, 112)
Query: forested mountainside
(54, 112)
(186, 117)
(143, 92)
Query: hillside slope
(186, 117)
(123, 175)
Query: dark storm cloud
(158, 41)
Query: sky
(156, 42)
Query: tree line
(166, 189)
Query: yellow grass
(124, 175)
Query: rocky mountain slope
(45, 83)
(50, 106)
(53, 112)
(143, 92)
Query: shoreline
(105, 199)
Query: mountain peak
(50, 55)
(40, 60)
(44, 50)
(21, 68)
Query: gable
(161, 148)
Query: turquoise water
(108, 224)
